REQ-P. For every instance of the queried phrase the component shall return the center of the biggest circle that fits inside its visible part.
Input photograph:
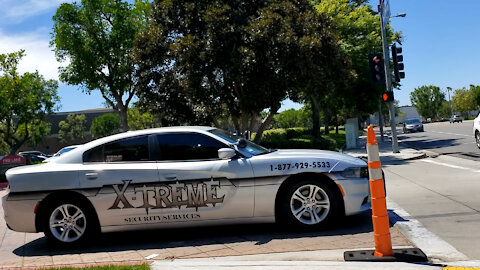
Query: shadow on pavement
(432, 144)
(198, 236)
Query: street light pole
(388, 80)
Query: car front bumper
(356, 194)
(413, 129)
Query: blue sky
(440, 46)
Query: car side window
(130, 149)
(188, 146)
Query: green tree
(288, 119)
(140, 120)
(358, 28)
(427, 99)
(73, 128)
(198, 57)
(96, 39)
(475, 89)
(464, 100)
(24, 101)
(105, 125)
(293, 118)
(445, 110)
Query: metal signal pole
(384, 17)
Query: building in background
(405, 112)
(51, 143)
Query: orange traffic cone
(381, 226)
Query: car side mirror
(226, 153)
(241, 143)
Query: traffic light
(397, 62)
(377, 70)
(387, 96)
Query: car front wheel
(67, 223)
(309, 204)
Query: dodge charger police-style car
(179, 177)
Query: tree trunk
(122, 110)
(236, 124)
(265, 123)
(244, 123)
(315, 119)
(325, 112)
(336, 125)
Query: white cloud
(16, 11)
(38, 54)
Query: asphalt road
(442, 193)
(444, 138)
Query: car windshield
(251, 147)
(412, 121)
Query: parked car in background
(34, 152)
(412, 125)
(476, 129)
(61, 152)
(32, 157)
(456, 118)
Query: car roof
(75, 154)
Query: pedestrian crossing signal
(388, 96)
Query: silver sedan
(180, 177)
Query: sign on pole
(385, 12)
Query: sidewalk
(386, 154)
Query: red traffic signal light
(388, 96)
(377, 69)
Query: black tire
(324, 214)
(477, 138)
(68, 223)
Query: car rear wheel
(477, 138)
(309, 204)
(68, 223)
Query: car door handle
(91, 176)
(171, 176)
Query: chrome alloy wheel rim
(309, 204)
(67, 223)
(477, 137)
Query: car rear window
(131, 149)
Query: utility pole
(380, 118)
(388, 75)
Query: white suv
(476, 129)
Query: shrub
(105, 125)
(298, 138)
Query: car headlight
(355, 172)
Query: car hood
(312, 153)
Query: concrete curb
(436, 249)
(287, 265)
